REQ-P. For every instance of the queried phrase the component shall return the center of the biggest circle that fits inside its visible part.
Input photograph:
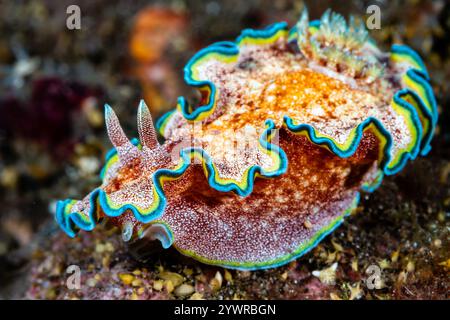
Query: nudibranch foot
(292, 126)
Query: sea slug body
(318, 111)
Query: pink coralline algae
(47, 116)
(319, 111)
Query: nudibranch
(319, 111)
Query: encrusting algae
(318, 110)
